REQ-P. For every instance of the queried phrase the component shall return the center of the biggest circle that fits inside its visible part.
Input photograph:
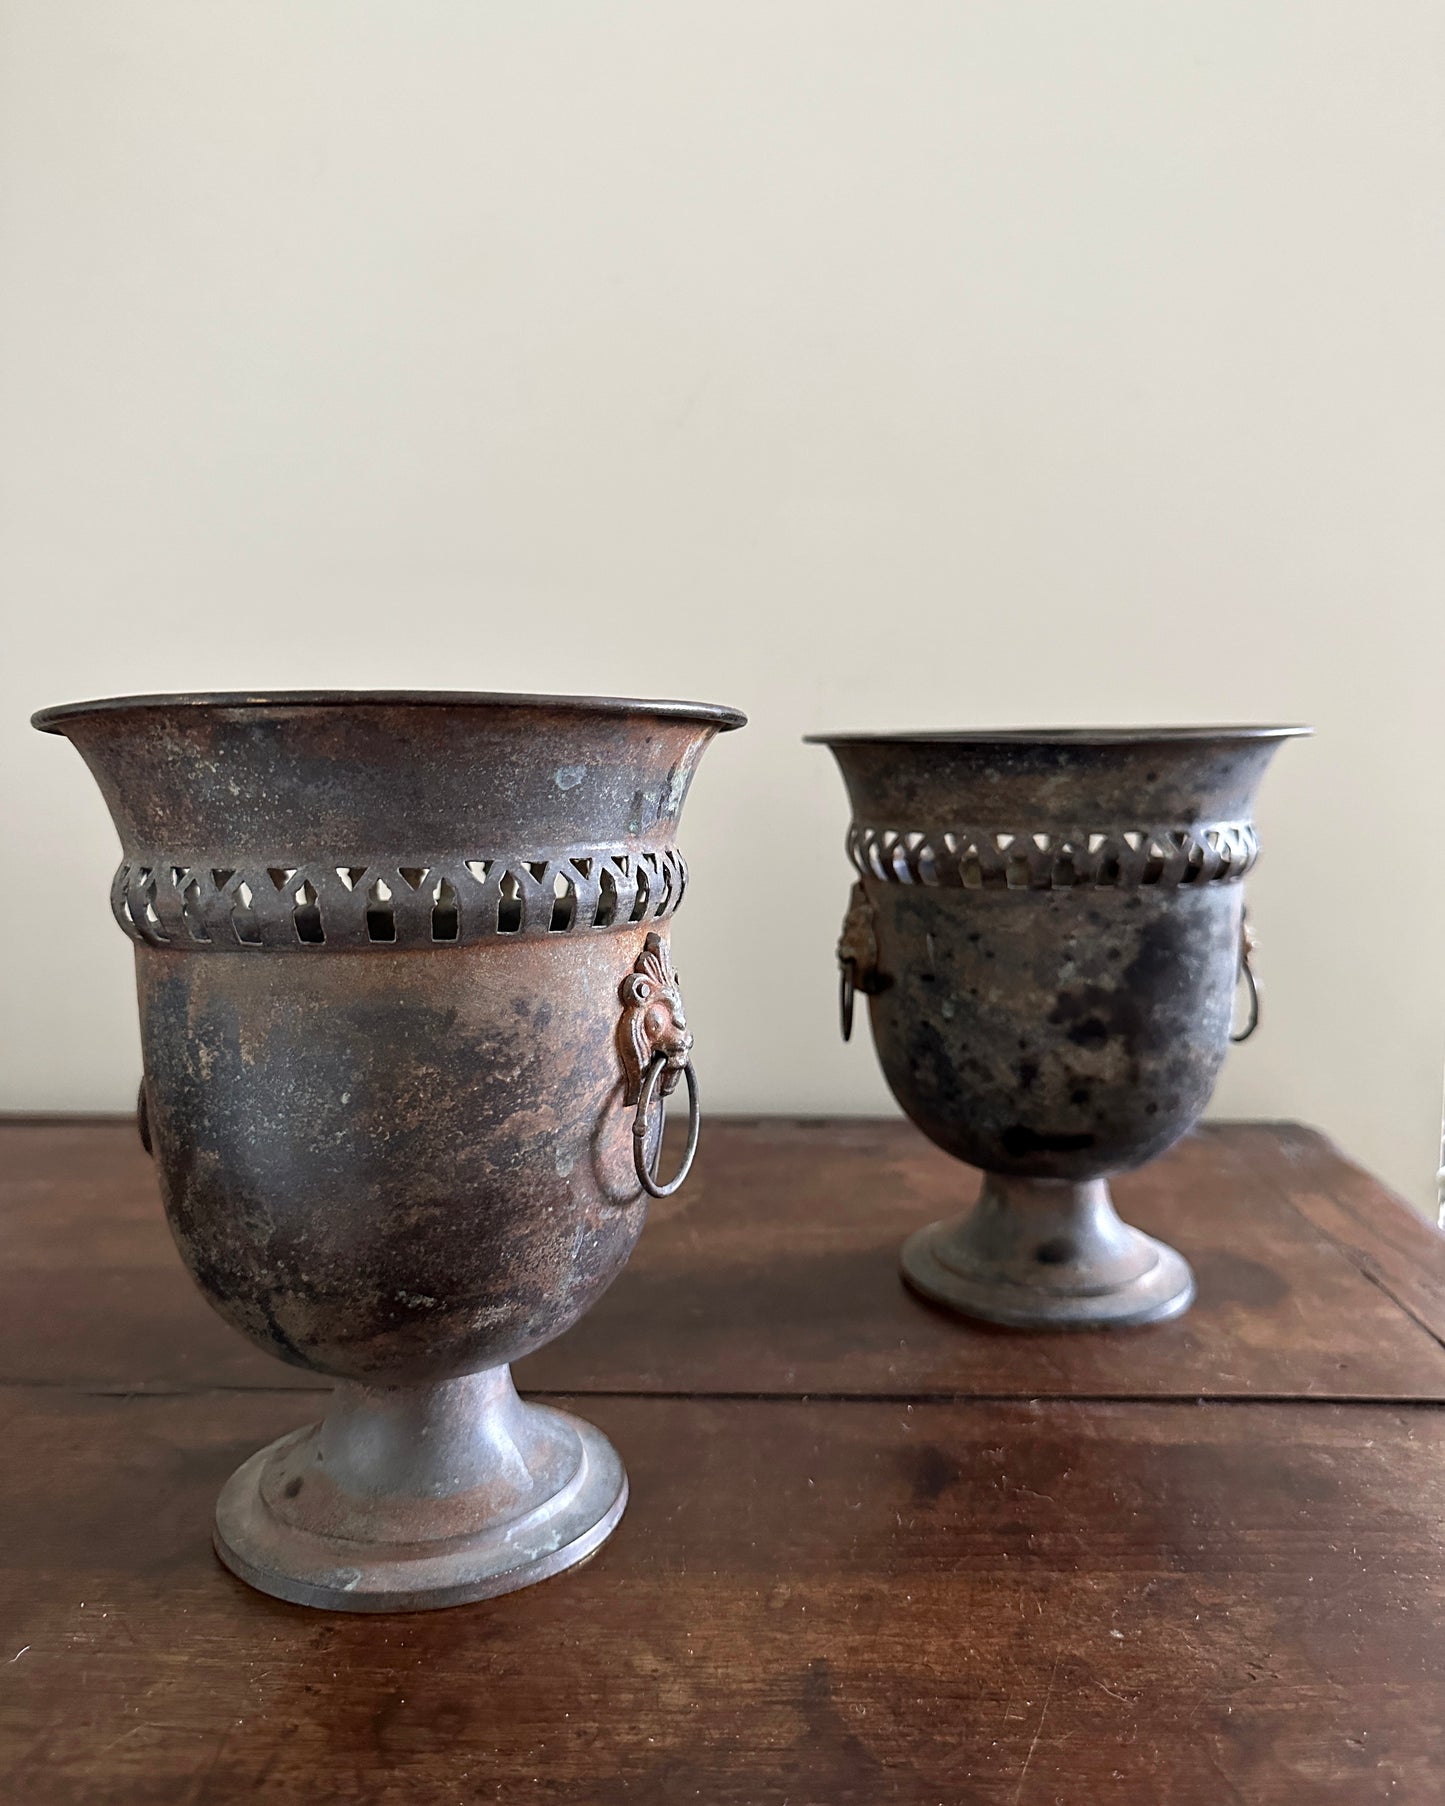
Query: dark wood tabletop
(874, 1553)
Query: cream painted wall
(858, 363)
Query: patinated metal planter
(1049, 929)
(408, 1016)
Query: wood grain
(775, 1274)
(1396, 1249)
(881, 1556)
(978, 1604)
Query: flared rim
(712, 714)
(1053, 736)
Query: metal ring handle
(847, 988)
(642, 1125)
(1246, 972)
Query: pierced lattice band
(449, 902)
(1120, 858)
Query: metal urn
(408, 1020)
(1049, 929)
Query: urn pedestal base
(1047, 1254)
(411, 1498)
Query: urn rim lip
(717, 715)
(1054, 736)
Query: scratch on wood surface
(1038, 1731)
(145, 1725)
(203, 1779)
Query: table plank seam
(1368, 1268)
(1364, 1263)
(1363, 1400)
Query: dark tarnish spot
(1056, 1252)
(1018, 1141)
(1028, 1071)
(1163, 958)
(1094, 1014)
(935, 1070)
(931, 1473)
(282, 1345)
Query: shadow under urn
(408, 1019)
(1049, 929)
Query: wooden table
(874, 1554)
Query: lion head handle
(858, 958)
(654, 1021)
